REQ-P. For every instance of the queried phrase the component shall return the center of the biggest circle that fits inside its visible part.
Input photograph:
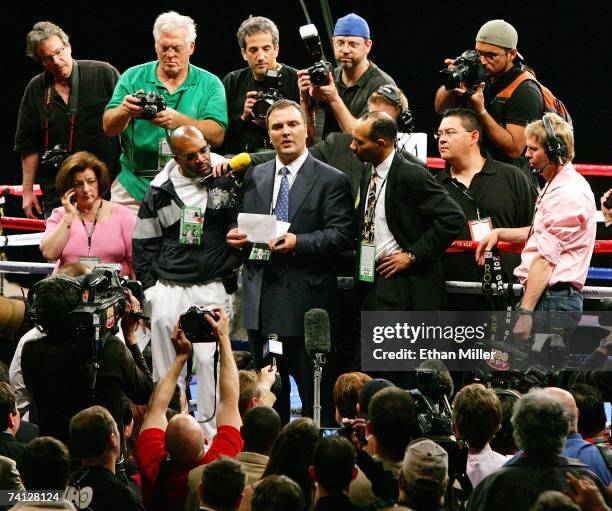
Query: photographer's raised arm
(156, 415)
(229, 384)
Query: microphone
(434, 380)
(239, 162)
(271, 349)
(537, 172)
(316, 332)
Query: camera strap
(318, 120)
(72, 106)
(215, 375)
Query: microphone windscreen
(240, 161)
(307, 31)
(440, 382)
(316, 331)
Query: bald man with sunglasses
(178, 270)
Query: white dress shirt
(293, 168)
(383, 238)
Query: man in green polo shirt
(193, 96)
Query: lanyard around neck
(89, 233)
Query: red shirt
(151, 450)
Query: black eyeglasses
(192, 156)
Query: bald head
(186, 135)
(569, 403)
(184, 439)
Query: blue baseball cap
(352, 25)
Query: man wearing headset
(560, 240)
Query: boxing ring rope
(586, 169)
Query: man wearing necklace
(178, 271)
(193, 97)
(491, 194)
(258, 39)
(559, 243)
(61, 106)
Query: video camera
(467, 70)
(319, 72)
(105, 295)
(151, 102)
(267, 96)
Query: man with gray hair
(192, 97)
(246, 108)
(62, 106)
(541, 424)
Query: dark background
(566, 44)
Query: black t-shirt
(501, 192)
(247, 136)
(524, 106)
(96, 488)
(356, 96)
(96, 84)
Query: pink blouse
(111, 240)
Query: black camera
(151, 103)
(268, 95)
(52, 160)
(319, 72)
(193, 323)
(105, 296)
(467, 69)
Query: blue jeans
(558, 312)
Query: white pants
(168, 301)
(120, 195)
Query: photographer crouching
(72, 368)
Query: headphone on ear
(554, 146)
(405, 122)
(70, 281)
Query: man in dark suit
(9, 424)
(406, 219)
(335, 149)
(300, 273)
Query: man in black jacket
(258, 39)
(406, 217)
(9, 424)
(58, 369)
(180, 254)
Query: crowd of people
(139, 184)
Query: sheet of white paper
(258, 228)
(281, 228)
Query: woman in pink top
(87, 228)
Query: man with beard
(351, 83)
(176, 272)
(193, 97)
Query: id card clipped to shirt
(192, 223)
(367, 261)
(480, 228)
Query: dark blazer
(277, 293)
(424, 220)
(335, 150)
(11, 448)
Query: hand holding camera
(204, 325)
(181, 344)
